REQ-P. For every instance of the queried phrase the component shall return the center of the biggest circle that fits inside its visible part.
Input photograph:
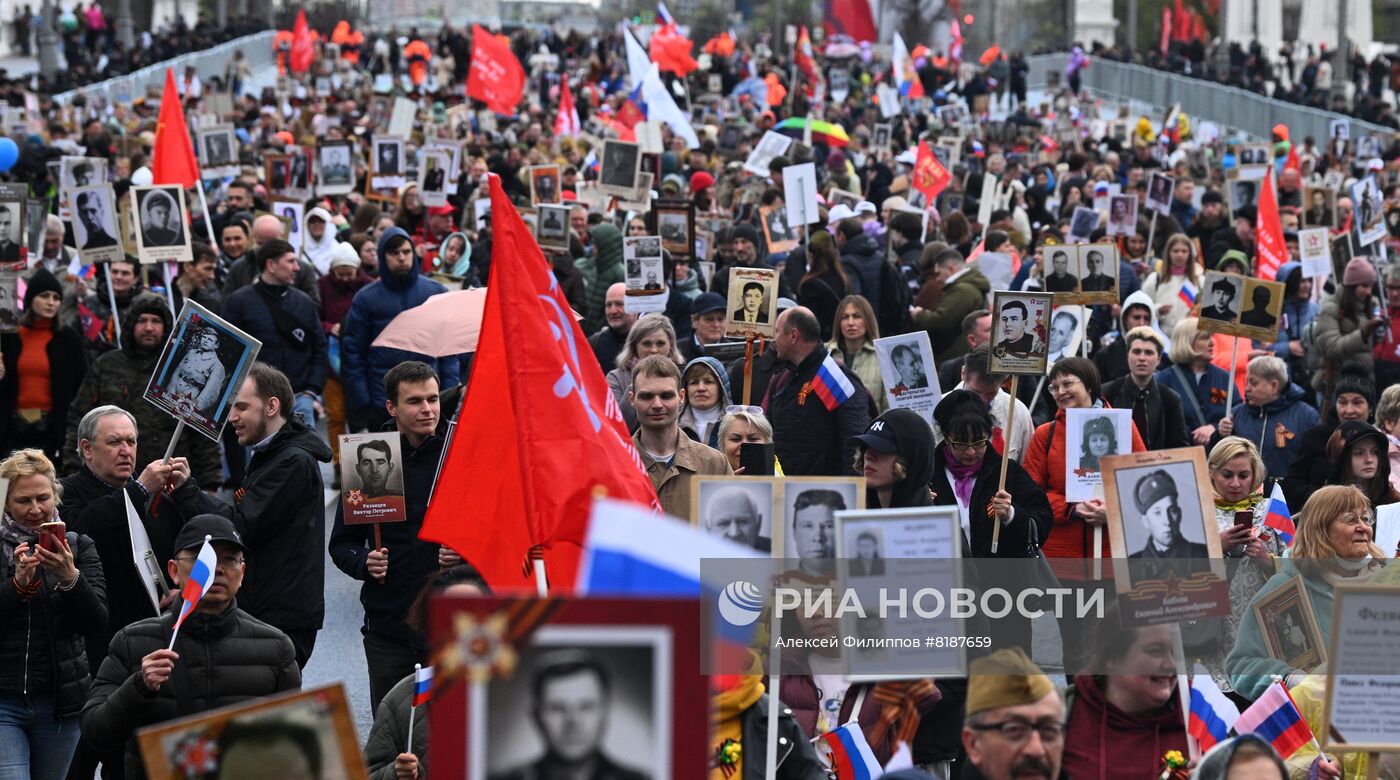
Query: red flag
(1293, 163)
(1166, 31)
(173, 161)
(850, 17)
(1268, 232)
(303, 50)
(566, 121)
(671, 51)
(538, 433)
(930, 177)
(496, 77)
(803, 56)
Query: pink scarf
(964, 477)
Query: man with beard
(1211, 218)
(747, 254)
(119, 377)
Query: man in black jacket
(811, 439)
(1156, 409)
(287, 323)
(222, 656)
(395, 573)
(279, 512)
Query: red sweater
(1105, 742)
(35, 376)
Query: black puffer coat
(224, 659)
(48, 628)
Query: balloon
(9, 154)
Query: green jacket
(961, 297)
(600, 271)
(389, 733)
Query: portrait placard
(544, 184)
(1315, 251)
(1090, 435)
(401, 119)
(432, 177)
(161, 224)
(675, 223)
(1066, 332)
(777, 232)
(1369, 209)
(75, 172)
(1098, 274)
(1360, 708)
(292, 215)
(306, 728)
(772, 145)
(299, 180)
(388, 170)
(1020, 332)
(888, 95)
(620, 164)
(909, 372)
(218, 151)
(275, 167)
(807, 507)
(1082, 224)
(637, 201)
(201, 370)
(36, 212)
(9, 301)
(552, 228)
(1243, 194)
(1218, 302)
(372, 492)
(1160, 188)
(1320, 207)
(1261, 308)
(753, 303)
(1288, 625)
(95, 228)
(800, 194)
(12, 210)
(1161, 518)
(1122, 215)
(1062, 269)
(646, 283)
(740, 509)
(453, 150)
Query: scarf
(964, 477)
(318, 253)
(13, 534)
(1245, 505)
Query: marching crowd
(83, 644)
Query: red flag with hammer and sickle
(930, 177)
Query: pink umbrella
(445, 324)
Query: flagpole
(1005, 459)
(175, 437)
(770, 756)
(1183, 692)
(541, 583)
(412, 710)
(112, 302)
(169, 286)
(1230, 386)
(178, 618)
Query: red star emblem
(355, 498)
(1173, 584)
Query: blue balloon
(9, 154)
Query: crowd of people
(1315, 409)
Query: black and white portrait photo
(621, 162)
(1083, 223)
(1091, 435)
(218, 148)
(1319, 207)
(908, 372)
(1244, 193)
(160, 224)
(675, 223)
(1164, 526)
(11, 223)
(552, 227)
(1122, 215)
(911, 368)
(865, 557)
(299, 171)
(544, 184)
(646, 289)
(372, 492)
(581, 696)
(1062, 269)
(1020, 328)
(95, 228)
(388, 156)
(336, 168)
(78, 172)
(771, 146)
(1288, 625)
(432, 177)
(776, 233)
(9, 302)
(1219, 298)
(1160, 188)
(1064, 333)
(880, 141)
(739, 509)
(201, 370)
(753, 303)
(809, 514)
(1098, 268)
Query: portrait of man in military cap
(1160, 514)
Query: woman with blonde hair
(1165, 284)
(652, 334)
(744, 425)
(1202, 385)
(1334, 544)
(52, 594)
(853, 343)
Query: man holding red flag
(533, 375)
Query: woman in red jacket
(1074, 384)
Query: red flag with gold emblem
(930, 177)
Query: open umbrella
(826, 132)
(445, 324)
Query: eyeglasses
(1351, 519)
(1064, 386)
(967, 445)
(1017, 731)
(754, 410)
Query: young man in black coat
(394, 573)
(1156, 409)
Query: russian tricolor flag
(1275, 719)
(1212, 712)
(663, 14)
(422, 685)
(831, 385)
(201, 577)
(1279, 518)
(851, 755)
(1188, 292)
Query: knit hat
(747, 232)
(836, 161)
(41, 281)
(1234, 255)
(700, 180)
(345, 254)
(1359, 271)
(1006, 678)
(1153, 488)
(1212, 196)
(1360, 384)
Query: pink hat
(1359, 271)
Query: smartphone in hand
(756, 459)
(51, 536)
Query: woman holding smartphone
(52, 591)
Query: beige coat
(672, 482)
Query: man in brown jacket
(671, 458)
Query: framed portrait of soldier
(1090, 436)
(739, 509)
(75, 172)
(552, 228)
(299, 178)
(1020, 332)
(1160, 188)
(306, 733)
(1260, 307)
(94, 224)
(161, 224)
(1288, 626)
(675, 223)
(432, 177)
(276, 167)
(11, 230)
(335, 168)
(218, 150)
(646, 288)
(880, 140)
(1082, 224)
(619, 166)
(372, 491)
(1161, 518)
(1122, 215)
(909, 372)
(1243, 194)
(753, 303)
(201, 370)
(1066, 333)
(730, 136)
(1218, 302)
(1319, 207)
(1061, 268)
(807, 508)
(544, 184)
(9, 301)
(292, 215)
(603, 682)
(1098, 273)
(1369, 207)
(779, 236)
(388, 170)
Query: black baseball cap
(705, 303)
(885, 432)
(217, 527)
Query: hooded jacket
(600, 271)
(914, 445)
(1112, 360)
(1102, 741)
(363, 366)
(687, 417)
(1215, 765)
(1352, 433)
(861, 257)
(389, 733)
(280, 514)
(1341, 343)
(318, 253)
(1276, 428)
(119, 378)
(962, 295)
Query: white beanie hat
(344, 254)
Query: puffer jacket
(225, 659)
(1276, 428)
(389, 733)
(1341, 344)
(363, 366)
(50, 625)
(600, 271)
(67, 368)
(1102, 741)
(119, 378)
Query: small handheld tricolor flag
(1279, 518)
(422, 684)
(1212, 712)
(831, 385)
(1188, 292)
(1274, 718)
(851, 755)
(196, 585)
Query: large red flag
(495, 77)
(930, 177)
(850, 17)
(538, 433)
(566, 121)
(671, 51)
(1268, 232)
(173, 161)
(303, 48)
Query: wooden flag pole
(748, 372)
(1005, 458)
(1151, 233)
(1230, 385)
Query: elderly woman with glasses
(1334, 544)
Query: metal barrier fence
(1229, 107)
(257, 48)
